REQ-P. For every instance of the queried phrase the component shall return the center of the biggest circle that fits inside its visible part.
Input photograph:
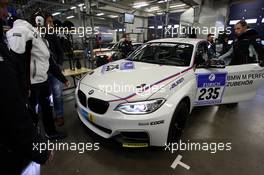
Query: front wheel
(178, 122)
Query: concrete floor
(243, 126)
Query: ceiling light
(82, 4)
(162, 1)
(151, 27)
(251, 21)
(99, 14)
(176, 25)
(262, 20)
(69, 17)
(178, 5)
(113, 16)
(56, 13)
(73, 7)
(233, 22)
(159, 27)
(140, 4)
(155, 8)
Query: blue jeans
(56, 90)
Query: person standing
(24, 37)
(58, 56)
(17, 130)
(246, 48)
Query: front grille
(82, 98)
(97, 105)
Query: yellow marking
(91, 118)
(135, 145)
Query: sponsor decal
(87, 116)
(243, 79)
(176, 83)
(210, 88)
(151, 123)
(17, 34)
(128, 65)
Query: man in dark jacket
(246, 48)
(58, 56)
(17, 131)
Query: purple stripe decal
(132, 95)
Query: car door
(226, 85)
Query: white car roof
(192, 41)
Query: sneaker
(59, 121)
(56, 136)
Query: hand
(67, 84)
(51, 156)
(261, 64)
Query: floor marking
(177, 161)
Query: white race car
(144, 100)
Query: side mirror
(215, 63)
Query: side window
(201, 54)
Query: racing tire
(178, 122)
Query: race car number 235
(210, 88)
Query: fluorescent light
(162, 1)
(152, 9)
(99, 14)
(251, 21)
(159, 2)
(113, 16)
(151, 27)
(82, 4)
(159, 13)
(120, 30)
(262, 20)
(176, 25)
(69, 17)
(178, 5)
(140, 4)
(73, 7)
(233, 22)
(159, 27)
(169, 26)
(56, 13)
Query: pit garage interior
(241, 125)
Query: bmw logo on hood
(91, 92)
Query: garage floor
(243, 126)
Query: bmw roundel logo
(212, 77)
(91, 92)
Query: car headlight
(142, 107)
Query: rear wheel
(178, 121)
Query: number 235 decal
(210, 88)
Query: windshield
(177, 54)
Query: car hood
(130, 80)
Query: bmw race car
(145, 99)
